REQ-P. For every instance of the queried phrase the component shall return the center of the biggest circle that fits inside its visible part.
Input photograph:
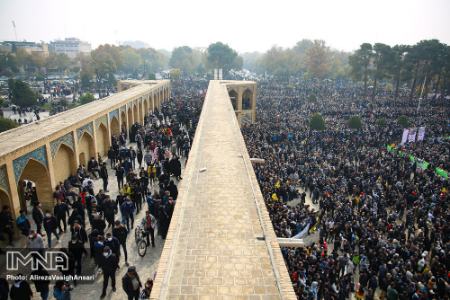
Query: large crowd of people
(376, 223)
(147, 174)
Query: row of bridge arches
(45, 174)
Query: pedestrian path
(146, 266)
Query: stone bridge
(48, 151)
(221, 243)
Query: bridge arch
(233, 98)
(64, 163)
(115, 126)
(102, 140)
(247, 97)
(37, 173)
(136, 114)
(85, 148)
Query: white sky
(246, 25)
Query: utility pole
(14, 26)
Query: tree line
(420, 68)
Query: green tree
(221, 56)
(86, 98)
(397, 70)
(360, 62)
(21, 93)
(317, 122)
(355, 122)
(317, 60)
(131, 61)
(7, 124)
(59, 62)
(183, 58)
(403, 121)
(383, 59)
(152, 61)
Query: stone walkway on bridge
(217, 246)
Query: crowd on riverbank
(381, 225)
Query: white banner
(404, 136)
(421, 134)
(412, 135)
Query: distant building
(70, 46)
(29, 47)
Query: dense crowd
(147, 177)
(380, 228)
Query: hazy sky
(246, 25)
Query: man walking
(60, 211)
(109, 265)
(50, 226)
(38, 217)
(131, 283)
(120, 232)
(104, 175)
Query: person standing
(109, 264)
(38, 216)
(60, 211)
(42, 286)
(76, 248)
(127, 209)
(120, 173)
(112, 156)
(149, 225)
(50, 225)
(104, 176)
(131, 283)
(120, 232)
(6, 223)
(20, 290)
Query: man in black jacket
(42, 286)
(76, 248)
(50, 226)
(61, 210)
(38, 217)
(131, 283)
(109, 264)
(20, 290)
(120, 232)
(104, 176)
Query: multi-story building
(70, 46)
(30, 47)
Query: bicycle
(140, 236)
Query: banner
(302, 233)
(421, 134)
(404, 136)
(423, 165)
(412, 135)
(442, 173)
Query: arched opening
(37, 176)
(247, 100)
(136, 114)
(115, 127)
(124, 125)
(233, 98)
(102, 140)
(130, 118)
(152, 101)
(4, 199)
(161, 97)
(86, 149)
(64, 163)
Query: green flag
(423, 165)
(442, 173)
(412, 158)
